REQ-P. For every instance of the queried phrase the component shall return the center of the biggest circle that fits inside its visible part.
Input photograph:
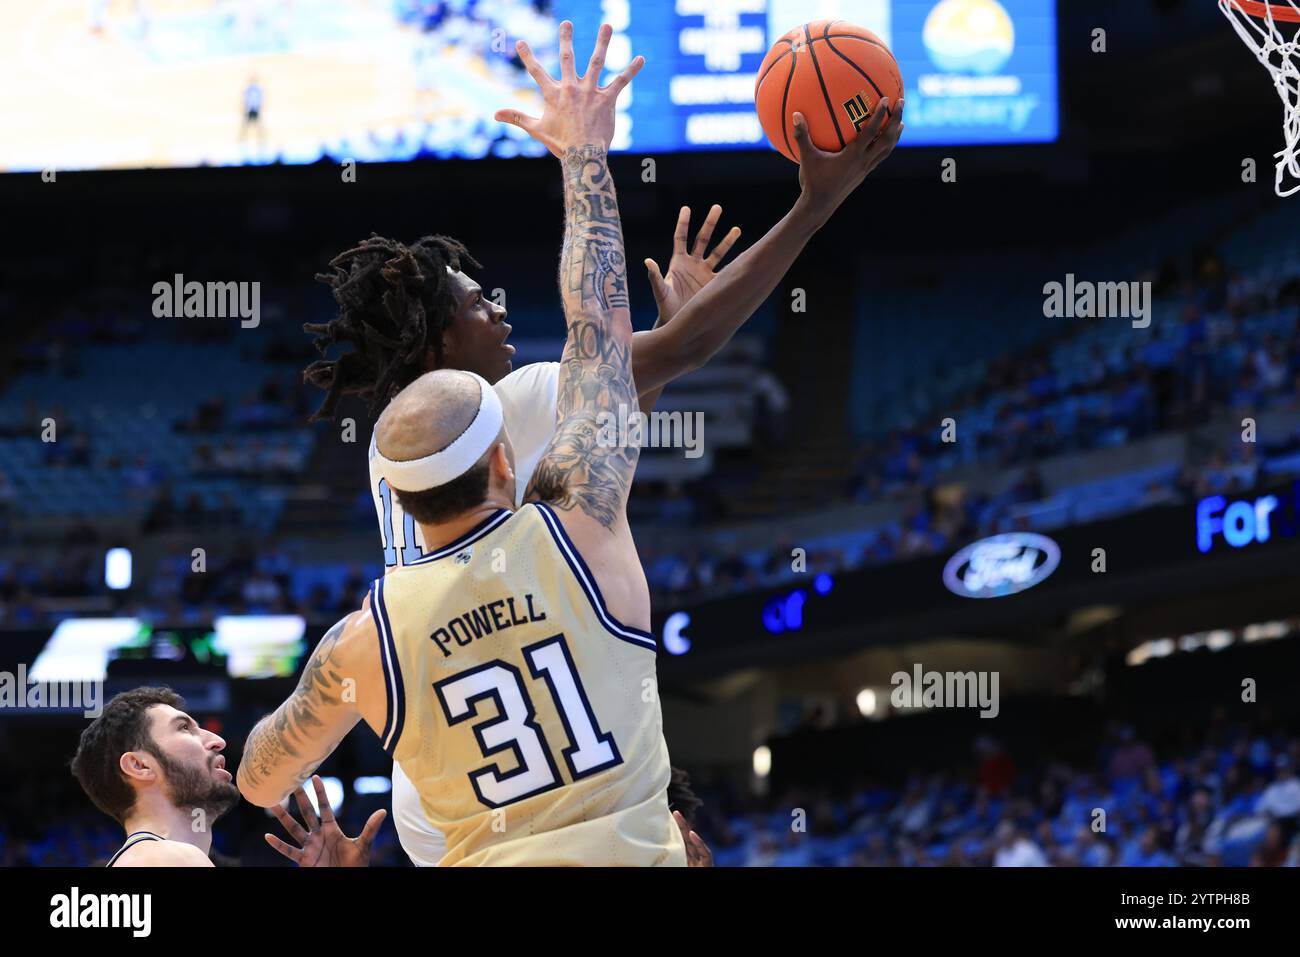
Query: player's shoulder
(352, 638)
(527, 380)
(162, 853)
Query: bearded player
(162, 776)
(154, 770)
(410, 310)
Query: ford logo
(1001, 565)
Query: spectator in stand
(1029, 487)
(1091, 849)
(1016, 849)
(1131, 757)
(996, 772)
(1145, 851)
(1272, 851)
(1281, 799)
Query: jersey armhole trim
(395, 692)
(132, 839)
(635, 636)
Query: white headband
(439, 468)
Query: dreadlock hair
(682, 797)
(395, 303)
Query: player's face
(476, 338)
(193, 767)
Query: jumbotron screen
(98, 84)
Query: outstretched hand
(576, 111)
(322, 843)
(827, 179)
(689, 271)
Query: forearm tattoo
(282, 742)
(579, 469)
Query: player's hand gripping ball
(832, 72)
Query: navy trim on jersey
(585, 578)
(132, 839)
(396, 716)
(473, 535)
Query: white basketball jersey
(528, 399)
(424, 844)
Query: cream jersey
(522, 713)
(528, 399)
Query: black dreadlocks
(395, 303)
(682, 797)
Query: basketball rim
(1256, 8)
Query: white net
(1265, 35)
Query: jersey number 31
(515, 728)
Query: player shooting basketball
(583, 701)
(409, 310)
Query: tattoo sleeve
(589, 462)
(288, 745)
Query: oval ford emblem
(1001, 565)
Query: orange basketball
(831, 71)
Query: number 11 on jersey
(410, 550)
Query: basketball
(831, 71)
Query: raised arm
(586, 470)
(580, 468)
(581, 471)
(711, 317)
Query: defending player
(153, 769)
(149, 766)
(569, 765)
(408, 310)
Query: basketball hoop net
(1258, 24)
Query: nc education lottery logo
(969, 36)
(970, 42)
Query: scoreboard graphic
(975, 71)
(168, 83)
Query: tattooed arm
(579, 472)
(286, 747)
(587, 469)
(582, 468)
